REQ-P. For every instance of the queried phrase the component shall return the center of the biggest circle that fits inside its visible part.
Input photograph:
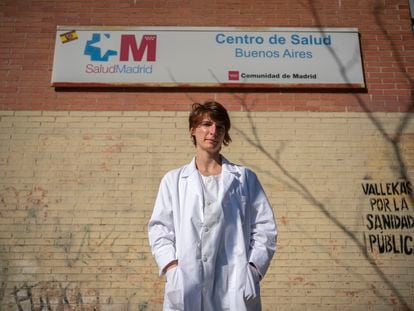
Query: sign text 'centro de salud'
(207, 57)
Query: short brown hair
(216, 112)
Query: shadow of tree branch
(296, 185)
(393, 140)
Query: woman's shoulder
(177, 172)
(241, 168)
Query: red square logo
(234, 75)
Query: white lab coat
(213, 250)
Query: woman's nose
(213, 129)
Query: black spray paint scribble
(51, 296)
(57, 296)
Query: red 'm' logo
(129, 43)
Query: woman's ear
(192, 136)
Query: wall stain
(143, 306)
(34, 200)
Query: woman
(212, 230)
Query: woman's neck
(207, 164)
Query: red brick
(28, 62)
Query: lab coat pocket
(173, 299)
(222, 287)
(252, 288)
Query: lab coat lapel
(192, 177)
(229, 175)
(193, 192)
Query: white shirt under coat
(213, 244)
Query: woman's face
(209, 135)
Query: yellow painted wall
(77, 190)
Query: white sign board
(207, 57)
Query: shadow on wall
(393, 141)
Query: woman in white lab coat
(212, 230)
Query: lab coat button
(206, 229)
(204, 258)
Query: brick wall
(27, 32)
(80, 168)
(77, 190)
